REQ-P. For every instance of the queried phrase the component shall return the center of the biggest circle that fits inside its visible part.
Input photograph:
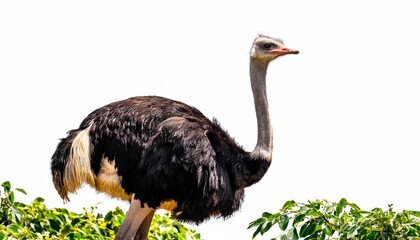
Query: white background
(346, 110)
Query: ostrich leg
(144, 227)
(133, 220)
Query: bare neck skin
(264, 147)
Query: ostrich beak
(283, 51)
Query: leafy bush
(322, 219)
(36, 221)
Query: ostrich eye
(267, 45)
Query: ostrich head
(266, 49)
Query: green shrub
(36, 221)
(322, 219)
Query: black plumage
(166, 150)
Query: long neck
(264, 147)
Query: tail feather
(70, 164)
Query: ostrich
(159, 153)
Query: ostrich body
(163, 154)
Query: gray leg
(133, 220)
(143, 230)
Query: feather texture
(162, 150)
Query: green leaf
(75, 221)
(289, 204)
(36, 227)
(267, 227)
(38, 200)
(11, 197)
(371, 235)
(21, 190)
(414, 213)
(295, 234)
(299, 218)
(311, 228)
(283, 222)
(66, 229)
(109, 216)
(328, 230)
(18, 213)
(314, 214)
(257, 231)
(303, 228)
(56, 225)
(257, 222)
(353, 205)
(14, 228)
(340, 206)
(95, 227)
(74, 235)
(6, 186)
(303, 210)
